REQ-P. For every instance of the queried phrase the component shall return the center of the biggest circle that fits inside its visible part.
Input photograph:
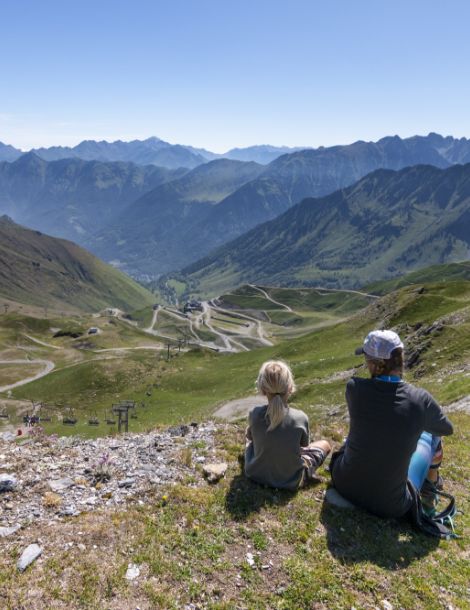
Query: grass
(192, 549)
(10, 373)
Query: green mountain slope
(451, 272)
(40, 270)
(387, 224)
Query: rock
(178, 430)
(126, 483)
(8, 436)
(60, 484)
(30, 554)
(332, 496)
(8, 531)
(69, 511)
(250, 560)
(133, 571)
(214, 471)
(386, 605)
(8, 482)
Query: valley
(179, 366)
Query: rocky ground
(45, 479)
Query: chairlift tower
(122, 411)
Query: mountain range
(152, 151)
(386, 224)
(280, 185)
(151, 220)
(37, 269)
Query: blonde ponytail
(275, 381)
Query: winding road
(263, 292)
(48, 367)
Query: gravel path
(236, 409)
(283, 305)
(459, 405)
(48, 367)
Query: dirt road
(236, 409)
(48, 367)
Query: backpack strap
(433, 526)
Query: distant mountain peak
(7, 220)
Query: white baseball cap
(380, 344)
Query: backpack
(439, 525)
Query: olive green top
(273, 457)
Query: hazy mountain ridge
(156, 151)
(8, 152)
(72, 197)
(388, 223)
(41, 270)
(143, 152)
(152, 150)
(151, 234)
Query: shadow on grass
(245, 497)
(355, 536)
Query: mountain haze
(71, 198)
(150, 235)
(150, 220)
(263, 153)
(151, 151)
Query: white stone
(30, 554)
(214, 471)
(8, 531)
(133, 571)
(60, 484)
(332, 496)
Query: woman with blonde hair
(278, 452)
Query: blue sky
(226, 73)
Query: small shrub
(51, 500)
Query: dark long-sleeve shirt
(387, 420)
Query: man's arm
(435, 422)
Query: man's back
(387, 419)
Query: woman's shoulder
(298, 415)
(257, 412)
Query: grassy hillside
(36, 269)
(434, 323)
(436, 273)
